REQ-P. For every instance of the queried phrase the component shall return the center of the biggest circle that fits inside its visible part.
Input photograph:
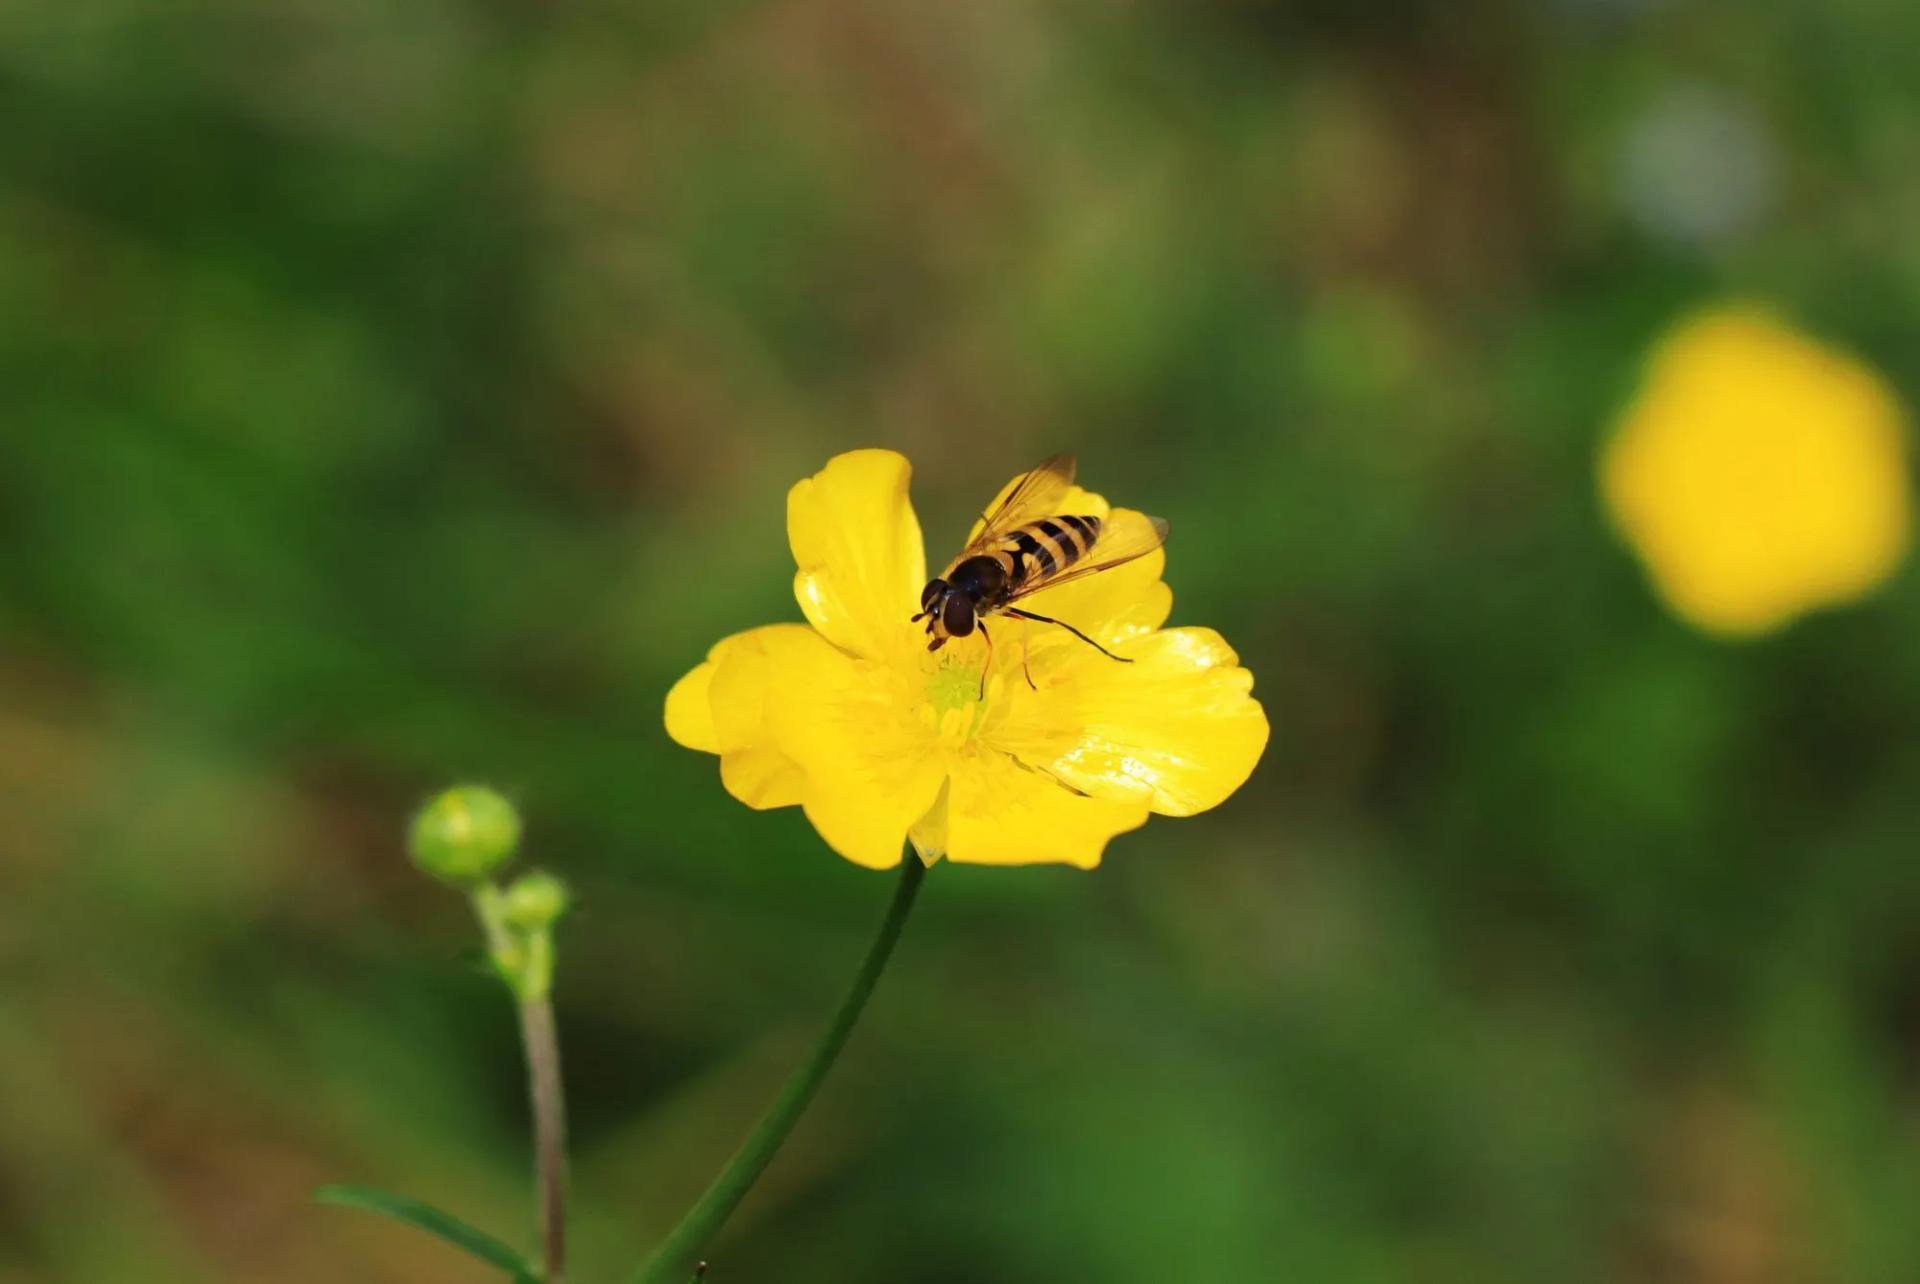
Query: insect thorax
(983, 578)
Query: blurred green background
(396, 393)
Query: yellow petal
(929, 833)
(857, 544)
(1001, 813)
(750, 677)
(721, 707)
(689, 713)
(797, 721)
(872, 765)
(1176, 730)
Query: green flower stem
(504, 948)
(523, 956)
(549, 1131)
(672, 1262)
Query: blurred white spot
(1697, 166)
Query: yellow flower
(1758, 474)
(851, 717)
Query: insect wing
(1126, 536)
(1039, 493)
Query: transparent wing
(1126, 535)
(1038, 493)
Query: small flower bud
(535, 900)
(464, 834)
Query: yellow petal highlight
(857, 544)
(1759, 474)
(1001, 813)
(1177, 730)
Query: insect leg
(988, 667)
(1045, 619)
(1026, 646)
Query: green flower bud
(464, 835)
(535, 900)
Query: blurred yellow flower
(851, 717)
(1758, 474)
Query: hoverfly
(1026, 544)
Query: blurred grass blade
(434, 1222)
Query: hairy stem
(675, 1258)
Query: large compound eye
(931, 594)
(956, 616)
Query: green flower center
(954, 701)
(953, 686)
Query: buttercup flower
(850, 717)
(1758, 474)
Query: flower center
(954, 703)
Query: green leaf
(434, 1222)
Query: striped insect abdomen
(1041, 550)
